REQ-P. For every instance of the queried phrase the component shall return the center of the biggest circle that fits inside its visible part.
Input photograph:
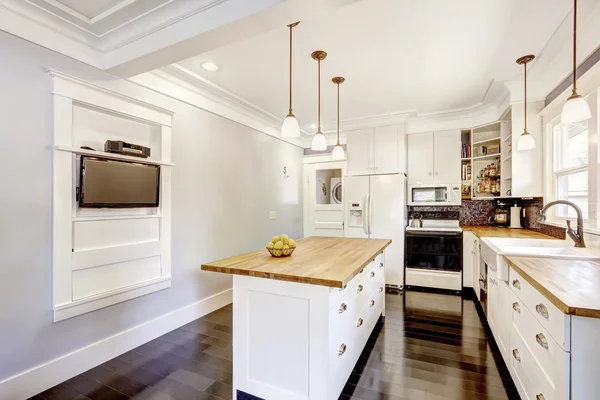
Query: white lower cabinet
(550, 355)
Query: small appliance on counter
(128, 149)
(501, 217)
(515, 217)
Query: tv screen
(118, 184)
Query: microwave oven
(434, 194)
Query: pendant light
(319, 143)
(526, 141)
(576, 109)
(338, 150)
(290, 127)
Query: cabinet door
(492, 301)
(467, 268)
(386, 150)
(420, 158)
(476, 257)
(360, 152)
(504, 319)
(446, 156)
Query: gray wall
(226, 180)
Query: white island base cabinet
(295, 341)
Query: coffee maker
(501, 217)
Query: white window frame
(551, 175)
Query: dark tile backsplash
(477, 212)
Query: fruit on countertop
(281, 245)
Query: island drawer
(551, 318)
(335, 295)
(550, 357)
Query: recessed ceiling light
(210, 66)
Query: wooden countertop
(324, 261)
(571, 285)
(491, 231)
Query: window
(571, 148)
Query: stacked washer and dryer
(335, 188)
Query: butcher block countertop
(571, 285)
(491, 231)
(324, 261)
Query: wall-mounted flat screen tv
(106, 183)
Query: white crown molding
(185, 86)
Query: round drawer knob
(380, 289)
(372, 274)
(517, 284)
(342, 349)
(380, 265)
(343, 308)
(542, 341)
(359, 289)
(516, 355)
(540, 397)
(359, 323)
(371, 303)
(517, 307)
(542, 310)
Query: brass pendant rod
(291, 26)
(525, 68)
(319, 102)
(575, 47)
(338, 114)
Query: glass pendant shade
(290, 127)
(526, 142)
(576, 109)
(338, 153)
(319, 143)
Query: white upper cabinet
(420, 157)
(376, 151)
(434, 157)
(360, 152)
(446, 156)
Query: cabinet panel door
(468, 249)
(504, 318)
(386, 150)
(492, 301)
(446, 156)
(420, 158)
(360, 152)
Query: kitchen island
(301, 322)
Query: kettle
(416, 221)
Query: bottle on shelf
(492, 169)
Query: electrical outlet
(273, 215)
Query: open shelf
(112, 156)
(497, 155)
(466, 159)
(487, 140)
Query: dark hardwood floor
(431, 347)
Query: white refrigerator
(375, 207)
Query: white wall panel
(117, 232)
(103, 279)
(92, 258)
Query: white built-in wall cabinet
(434, 157)
(379, 150)
(492, 147)
(105, 256)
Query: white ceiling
(91, 9)
(427, 56)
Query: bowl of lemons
(281, 246)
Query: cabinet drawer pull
(517, 355)
(343, 308)
(542, 310)
(542, 341)
(372, 274)
(380, 265)
(359, 289)
(342, 349)
(517, 307)
(371, 303)
(359, 323)
(380, 289)
(540, 397)
(517, 284)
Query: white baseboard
(44, 376)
